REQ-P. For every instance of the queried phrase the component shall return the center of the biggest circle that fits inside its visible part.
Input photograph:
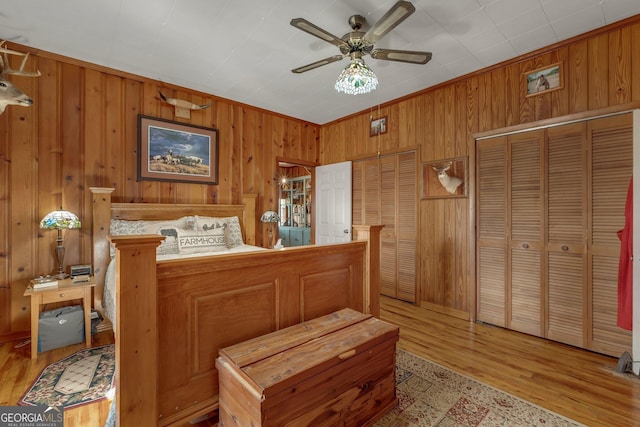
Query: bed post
(249, 220)
(101, 198)
(137, 342)
(371, 234)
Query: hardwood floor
(575, 383)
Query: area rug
(432, 395)
(79, 379)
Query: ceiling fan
(358, 43)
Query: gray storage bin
(60, 327)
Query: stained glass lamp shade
(356, 78)
(59, 220)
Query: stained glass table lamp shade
(59, 220)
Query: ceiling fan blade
(398, 13)
(317, 64)
(411, 56)
(314, 30)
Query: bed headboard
(103, 210)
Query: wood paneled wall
(600, 70)
(82, 132)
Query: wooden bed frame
(174, 315)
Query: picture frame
(176, 152)
(378, 126)
(544, 80)
(446, 178)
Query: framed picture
(378, 126)
(544, 80)
(178, 152)
(444, 178)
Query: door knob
(346, 231)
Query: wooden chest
(336, 370)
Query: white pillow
(167, 228)
(233, 232)
(198, 241)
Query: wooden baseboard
(14, 336)
(445, 310)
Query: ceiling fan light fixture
(356, 78)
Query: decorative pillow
(202, 240)
(170, 244)
(233, 232)
(119, 227)
(168, 228)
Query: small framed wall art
(378, 126)
(544, 80)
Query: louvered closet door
(407, 226)
(384, 192)
(566, 234)
(357, 193)
(527, 232)
(491, 158)
(611, 144)
(371, 192)
(388, 235)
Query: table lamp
(60, 220)
(270, 217)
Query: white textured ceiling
(244, 50)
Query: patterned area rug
(432, 395)
(83, 377)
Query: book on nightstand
(44, 282)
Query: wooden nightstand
(66, 291)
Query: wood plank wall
(82, 132)
(600, 71)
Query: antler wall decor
(183, 108)
(10, 94)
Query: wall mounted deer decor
(450, 183)
(10, 94)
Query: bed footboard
(207, 303)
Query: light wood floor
(575, 383)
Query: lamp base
(60, 257)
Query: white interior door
(332, 203)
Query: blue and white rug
(84, 377)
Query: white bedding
(109, 294)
